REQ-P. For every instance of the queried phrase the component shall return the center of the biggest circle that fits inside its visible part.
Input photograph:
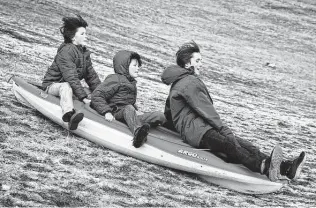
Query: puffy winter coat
(72, 64)
(117, 90)
(190, 106)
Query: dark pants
(128, 115)
(237, 150)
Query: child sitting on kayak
(115, 98)
(71, 65)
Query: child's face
(133, 68)
(80, 36)
(196, 62)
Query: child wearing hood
(115, 98)
(71, 65)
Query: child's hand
(109, 117)
(85, 100)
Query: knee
(65, 87)
(161, 117)
(129, 109)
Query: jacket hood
(173, 73)
(121, 62)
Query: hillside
(258, 64)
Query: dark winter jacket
(117, 90)
(190, 106)
(72, 64)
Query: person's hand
(109, 117)
(86, 101)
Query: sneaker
(141, 135)
(292, 169)
(274, 166)
(75, 120)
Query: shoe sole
(276, 159)
(142, 135)
(74, 122)
(299, 168)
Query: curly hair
(70, 26)
(184, 54)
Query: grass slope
(43, 164)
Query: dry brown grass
(45, 165)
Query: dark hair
(136, 56)
(184, 54)
(70, 26)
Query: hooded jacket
(72, 64)
(117, 90)
(189, 105)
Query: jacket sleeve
(167, 110)
(136, 107)
(101, 95)
(195, 95)
(169, 122)
(67, 66)
(92, 78)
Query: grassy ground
(43, 164)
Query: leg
(233, 149)
(252, 159)
(128, 115)
(64, 91)
(247, 146)
(289, 168)
(251, 148)
(153, 118)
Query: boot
(292, 168)
(66, 117)
(271, 166)
(140, 136)
(75, 120)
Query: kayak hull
(163, 147)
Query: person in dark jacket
(71, 66)
(115, 97)
(189, 108)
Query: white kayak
(163, 147)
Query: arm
(66, 63)
(169, 123)
(101, 95)
(167, 112)
(196, 96)
(136, 107)
(92, 78)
